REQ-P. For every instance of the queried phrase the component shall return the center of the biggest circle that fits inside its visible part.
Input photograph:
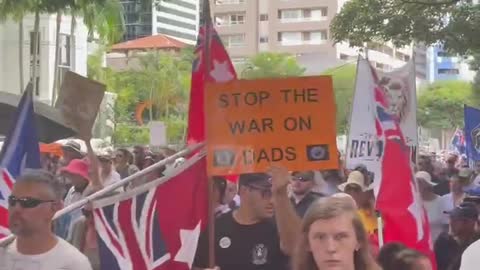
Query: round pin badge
(225, 242)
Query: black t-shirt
(243, 247)
(302, 206)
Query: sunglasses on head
(265, 192)
(26, 202)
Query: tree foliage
(440, 105)
(271, 65)
(343, 86)
(162, 78)
(452, 23)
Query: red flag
(220, 69)
(398, 198)
(155, 226)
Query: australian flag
(155, 226)
(19, 151)
(472, 132)
(458, 142)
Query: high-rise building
(293, 26)
(444, 66)
(138, 19)
(178, 19)
(299, 27)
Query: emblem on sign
(475, 135)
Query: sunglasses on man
(300, 179)
(26, 202)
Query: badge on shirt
(259, 254)
(225, 242)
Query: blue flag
(19, 151)
(472, 132)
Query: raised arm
(288, 222)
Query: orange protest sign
(251, 124)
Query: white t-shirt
(62, 257)
(436, 217)
(470, 257)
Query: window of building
(300, 38)
(300, 15)
(290, 38)
(65, 54)
(263, 17)
(230, 19)
(229, 2)
(318, 37)
(402, 57)
(37, 81)
(234, 40)
(264, 39)
(448, 71)
(344, 56)
(444, 54)
(290, 14)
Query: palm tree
(101, 16)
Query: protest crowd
(288, 199)
(255, 218)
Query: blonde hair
(324, 209)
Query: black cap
(257, 179)
(464, 211)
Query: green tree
(407, 21)
(440, 105)
(343, 86)
(163, 78)
(271, 65)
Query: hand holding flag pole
(108, 189)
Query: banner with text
(363, 147)
(254, 123)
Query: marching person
(302, 194)
(123, 163)
(450, 246)
(249, 237)
(85, 178)
(34, 200)
(333, 237)
(432, 202)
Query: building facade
(444, 66)
(73, 53)
(178, 19)
(137, 18)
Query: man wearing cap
(357, 188)
(107, 174)
(71, 150)
(249, 238)
(302, 194)
(450, 246)
(85, 178)
(432, 202)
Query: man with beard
(34, 200)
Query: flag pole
(207, 20)
(108, 189)
(380, 229)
